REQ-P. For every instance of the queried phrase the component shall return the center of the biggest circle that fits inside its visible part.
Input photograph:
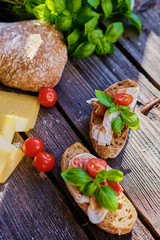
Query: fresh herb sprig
(105, 195)
(128, 117)
(79, 21)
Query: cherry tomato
(44, 161)
(95, 165)
(32, 146)
(47, 97)
(123, 99)
(116, 186)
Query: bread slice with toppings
(119, 222)
(118, 139)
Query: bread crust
(32, 55)
(112, 221)
(118, 139)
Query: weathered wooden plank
(146, 47)
(58, 135)
(31, 207)
(79, 80)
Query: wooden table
(38, 206)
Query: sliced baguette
(118, 139)
(119, 222)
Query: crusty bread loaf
(118, 139)
(32, 55)
(119, 222)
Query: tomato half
(32, 146)
(44, 161)
(123, 99)
(47, 97)
(116, 186)
(95, 165)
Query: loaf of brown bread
(119, 222)
(32, 55)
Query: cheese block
(10, 157)
(8, 127)
(24, 107)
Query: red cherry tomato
(44, 161)
(32, 146)
(95, 165)
(123, 99)
(116, 186)
(47, 97)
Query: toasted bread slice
(118, 139)
(119, 222)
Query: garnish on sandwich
(120, 102)
(94, 181)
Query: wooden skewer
(150, 104)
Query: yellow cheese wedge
(24, 107)
(10, 157)
(8, 127)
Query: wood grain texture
(58, 135)
(31, 207)
(146, 47)
(141, 152)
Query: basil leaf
(103, 47)
(114, 31)
(101, 176)
(84, 15)
(63, 22)
(89, 189)
(73, 6)
(81, 187)
(84, 50)
(117, 124)
(131, 119)
(135, 21)
(95, 35)
(107, 7)
(91, 25)
(114, 175)
(76, 176)
(73, 37)
(112, 110)
(123, 108)
(105, 98)
(94, 3)
(107, 198)
(59, 5)
(42, 12)
(50, 5)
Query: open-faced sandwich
(112, 116)
(96, 189)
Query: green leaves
(94, 3)
(136, 22)
(115, 175)
(84, 17)
(131, 119)
(105, 98)
(76, 176)
(84, 50)
(117, 124)
(114, 31)
(64, 22)
(107, 198)
(105, 195)
(107, 8)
